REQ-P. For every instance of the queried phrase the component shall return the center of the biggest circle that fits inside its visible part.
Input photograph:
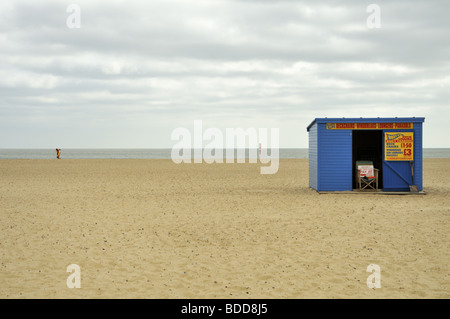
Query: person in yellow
(58, 153)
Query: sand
(155, 229)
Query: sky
(134, 71)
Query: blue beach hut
(394, 145)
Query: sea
(159, 153)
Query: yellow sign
(399, 146)
(368, 126)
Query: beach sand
(155, 229)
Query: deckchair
(366, 176)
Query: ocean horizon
(159, 153)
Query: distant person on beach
(58, 153)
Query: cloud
(136, 70)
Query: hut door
(397, 171)
(367, 146)
(397, 176)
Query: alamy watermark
(374, 20)
(374, 280)
(74, 280)
(221, 147)
(73, 21)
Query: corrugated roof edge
(365, 120)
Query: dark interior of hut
(368, 146)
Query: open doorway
(368, 146)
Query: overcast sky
(136, 70)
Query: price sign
(399, 146)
